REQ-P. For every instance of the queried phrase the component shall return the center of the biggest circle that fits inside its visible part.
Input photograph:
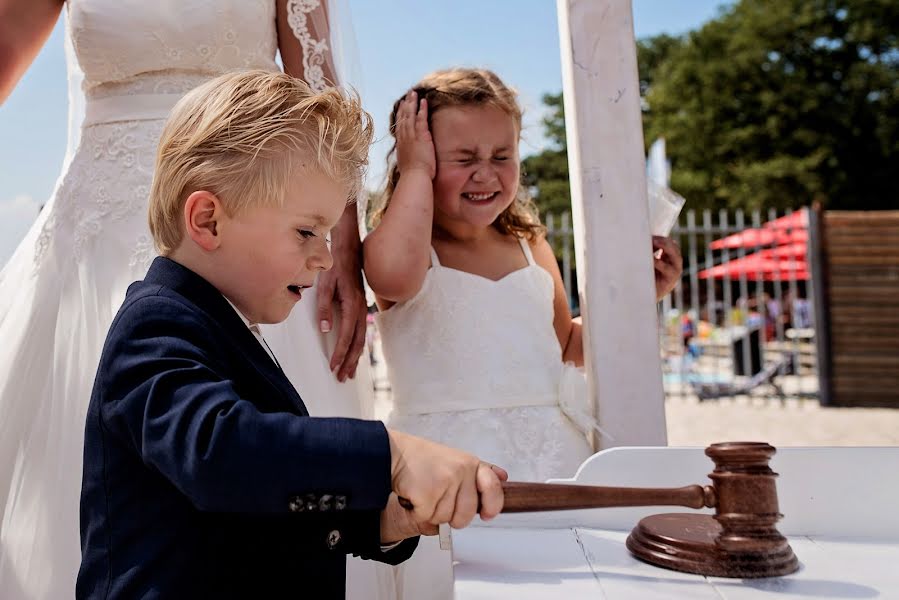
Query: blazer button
(333, 539)
(296, 504)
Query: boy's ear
(203, 212)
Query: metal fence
(740, 322)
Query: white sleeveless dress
(63, 285)
(475, 364)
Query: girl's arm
(24, 27)
(397, 253)
(567, 329)
(668, 269)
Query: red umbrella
(796, 220)
(758, 267)
(793, 250)
(792, 228)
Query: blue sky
(398, 42)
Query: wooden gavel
(742, 483)
(740, 540)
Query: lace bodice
(138, 58)
(176, 44)
(476, 364)
(468, 342)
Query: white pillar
(612, 240)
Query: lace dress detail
(106, 191)
(315, 51)
(128, 39)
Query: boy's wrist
(397, 524)
(394, 439)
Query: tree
(546, 173)
(780, 102)
(773, 104)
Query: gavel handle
(537, 497)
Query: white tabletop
(832, 492)
(544, 564)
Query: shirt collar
(243, 318)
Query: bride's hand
(414, 145)
(341, 287)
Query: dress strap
(435, 262)
(526, 248)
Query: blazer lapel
(208, 299)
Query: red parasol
(759, 267)
(792, 228)
(795, 250)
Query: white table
(841, 508)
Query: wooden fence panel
(859, 252)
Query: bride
(132, 60)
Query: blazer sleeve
(166, 392)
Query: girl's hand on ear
(414, 145)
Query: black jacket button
(296, 504)
(333, 539)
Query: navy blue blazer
(204, 476)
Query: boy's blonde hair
(468, 87)
(242, 135)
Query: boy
(204, 476)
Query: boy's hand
(443, 484)
(668, 267)
(414, 145)
(397, 523)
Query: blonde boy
(204, 476)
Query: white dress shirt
(254, 329)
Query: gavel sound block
(740, 540)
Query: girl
(475, 325)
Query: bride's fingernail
(325, 326)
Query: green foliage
(775, 103)
(780, 102)
(546, 173)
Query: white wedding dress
(475, 364)
(65, 282)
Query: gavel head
(741, 539)
(745, 495)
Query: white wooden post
(611, 220)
